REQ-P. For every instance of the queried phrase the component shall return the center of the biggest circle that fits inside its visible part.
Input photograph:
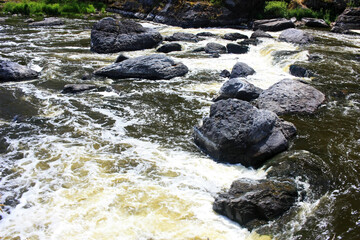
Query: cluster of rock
(243, 127)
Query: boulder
(235, 36)
(299, 71)
(156, 66)
(238, 132)
(199, 49)
(241, 69)
(181, 36)
(170, 47)
(273, 25)
(254, 202)
(314, 22)
(11, 71)
(239, 89)
(52, 21)
(110, 36)
(349, 19)
(215, 48)
(342, 30)
(121, 58)
(296, 36)
(225, 74)
(302, 166)
(77, 88)
(289, 97)
(260, 34)
(236, 48)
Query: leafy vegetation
(274, 9)
(53, 8)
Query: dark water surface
(119, 162)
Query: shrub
(275, 9)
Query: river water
(120, 163)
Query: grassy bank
(275, 9)
(52, 7)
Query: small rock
(241, 69)
(76, 88)
(215, 48)
(11, 71)
(170, 47)
(235, 36)
(29, 20)
(236, 48)
(52, 21)
(299, 71)
(314, 22)
(206, 34)
(225, 74)
(314, 57)
(121, 58)
(185, 37)
(260, 34)
(200, 49)
(239, 89)
(248, 42)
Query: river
(120, 162)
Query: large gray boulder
(181, 36)
(239, 89)
(273, 25)
(255, 202)
(235, 36)
(237, 48)
(51, 21)
(110, 36)
(296, 36)
(11, 71)
(238, 132)
(241, 69)
(289, 97)
(156, 66)
(170, 47)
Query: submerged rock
(181, 36)
(239, 89)
(77, 88)
(255, 202)
(11, 71)
(236, 48)
(273, 25)
(170, 47)
(289, 97)
(225, 73)
(299, 71)
(52, 21)
(296, 36)
(110, 36)
(235, 36)
(206, 34)
(237, 132)
(215, 48)
(241, 69)
(156, 66)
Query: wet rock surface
(237, 48)
(349, 19)
(234, 36)
(296, 36)
(273, 25)
(237, 132)
(299, 71)
(315, 22)
(11, 71)
(291, 97)
(170, 47)
(255, 202)
(239, 89)
(241, 69)
(77, 88)
(110, 36)
(215, 48)
(52, 21)
(156, 66)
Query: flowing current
(120, 163)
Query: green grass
(53, 8)
(275, 9)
